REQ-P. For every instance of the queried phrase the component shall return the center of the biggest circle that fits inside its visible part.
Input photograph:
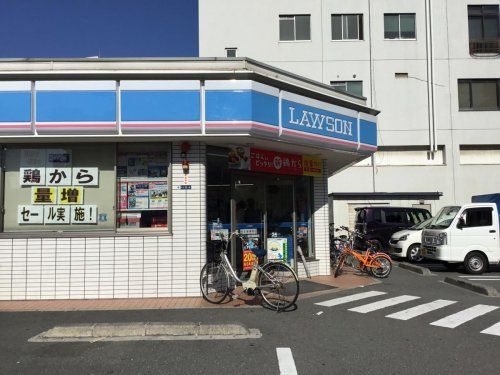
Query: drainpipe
(430, 78)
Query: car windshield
(421, 225)
(444, 217)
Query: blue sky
(104, 28)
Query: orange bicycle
(376, 263)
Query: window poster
(29, 214)
(56, 188)
(58, 158)
(277, 248)
(158, 195)
(137, 165)
(138, 195)
(123, 196)
(86, 214)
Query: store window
(399, 26)
(142, 186)
(59, 187)
(295, 27)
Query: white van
(467, 234)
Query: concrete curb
(139, 331)
(417, 269)
(475, 287)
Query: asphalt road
(323, 340)
(491, 277)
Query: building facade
(118, 175)
(431, 67)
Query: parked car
(465, 234)
(379, 223)
(407, 243)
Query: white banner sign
(29, 214)
(86, 176)
(56, 214)
(86, 214)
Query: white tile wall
(116, 267)
(320, 212)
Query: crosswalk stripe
(420, 309)
(286, 362)
(382, 304)
(351, 298)
(469, 276)
(493, 330)
(463, 316)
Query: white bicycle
(275, 281)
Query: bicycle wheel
(214, 282)
(278, 285)
(382, 267)
(339, 267)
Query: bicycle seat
(259, 253)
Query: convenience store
(114, 170)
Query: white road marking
(286, 362)
(467, 276)
(484, 279)
(463, 316)
(420, 309)
(383, 304)
(493, 330)
(319, 313)
(351, 298)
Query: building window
(231, 52)
(59, 188)
(295, 27)
(347, 27)
(484, 29)
(351, 87)
(399, 26)
(478, 94)
(143, 191)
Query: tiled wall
(116, 266)
(320, 212)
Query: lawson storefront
(114, 172)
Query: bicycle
(376, 263)
(337, 244)
(275, 281)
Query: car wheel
(475, 263)
(414, 254)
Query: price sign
(248, 259)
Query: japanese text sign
(43, 195)
(70, 195)
(85, 176)
(278, 162)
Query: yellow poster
(312, 166)
(70, 195)
(43, 195)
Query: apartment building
(431, 67)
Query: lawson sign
(321, 123)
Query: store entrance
(263, 212)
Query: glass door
(248, 216)
(280, 219)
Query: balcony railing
(484, 46)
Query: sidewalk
(318, 285)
